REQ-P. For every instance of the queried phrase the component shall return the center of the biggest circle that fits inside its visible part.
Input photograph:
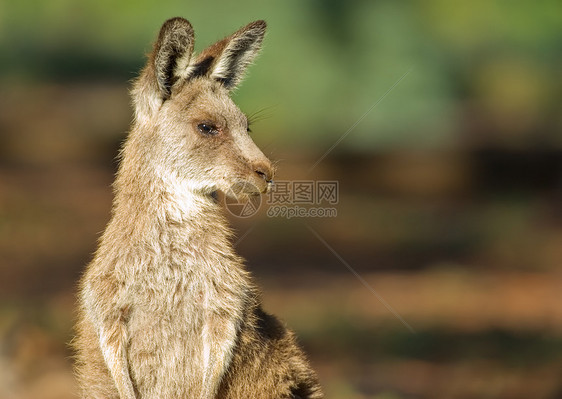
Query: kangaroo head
(185, 118)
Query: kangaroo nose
(264, 171)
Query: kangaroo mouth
(265, 186)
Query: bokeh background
(450, 184)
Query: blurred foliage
(326, 62)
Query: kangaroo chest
(185, 310)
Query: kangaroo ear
(227, 60)
(172, 53)
(167, 63)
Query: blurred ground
(464, 244)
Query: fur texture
(167, 309)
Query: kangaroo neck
(151, 207)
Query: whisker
(261, 114)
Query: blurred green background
(449, 171)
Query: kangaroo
(166, 306)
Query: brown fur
(167, 309)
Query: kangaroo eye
(207, 129)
